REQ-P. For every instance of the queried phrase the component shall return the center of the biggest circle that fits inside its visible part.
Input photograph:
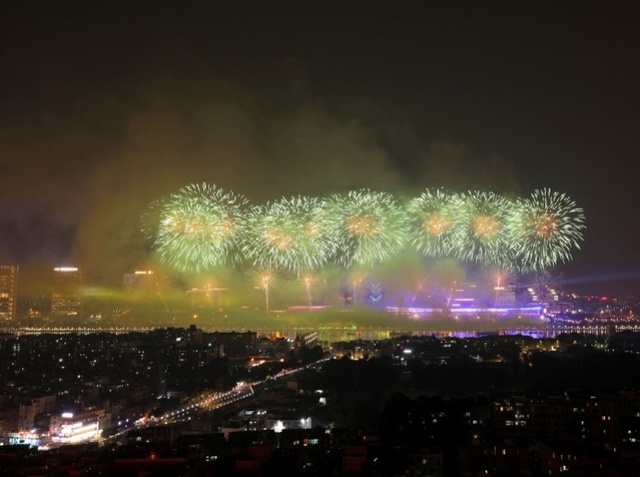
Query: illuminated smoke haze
(107, 107)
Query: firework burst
(430, 219)
(287, 235)
(370, 227)
(544, 229)
(151, 218)
(202, 227)
(481, 232)
(198, 228)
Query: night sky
(106, 106)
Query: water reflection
(378, 334)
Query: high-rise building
(8, 292)
(139, 282)
(66, 299)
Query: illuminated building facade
(8, 291)
(71, 428)
(542, 294)
(470, 299)
(66, 299)
(138, 282)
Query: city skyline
(109, 107)
(481, 299)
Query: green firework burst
(430, 220)
(288, 235)
(370, 227)
(199, 227)
(545, 228)
(481, 228)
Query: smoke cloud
(85, 162)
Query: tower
(8, 292)
(66, 299)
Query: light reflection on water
(539, 332)
(333, 336)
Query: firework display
(201, 227)
(150, 219)
(430, 220)
(198, 227)
(480, 228)
(370, 227)
(288, 235)
(544, 229)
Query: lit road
(207, 402)
(216, 400)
